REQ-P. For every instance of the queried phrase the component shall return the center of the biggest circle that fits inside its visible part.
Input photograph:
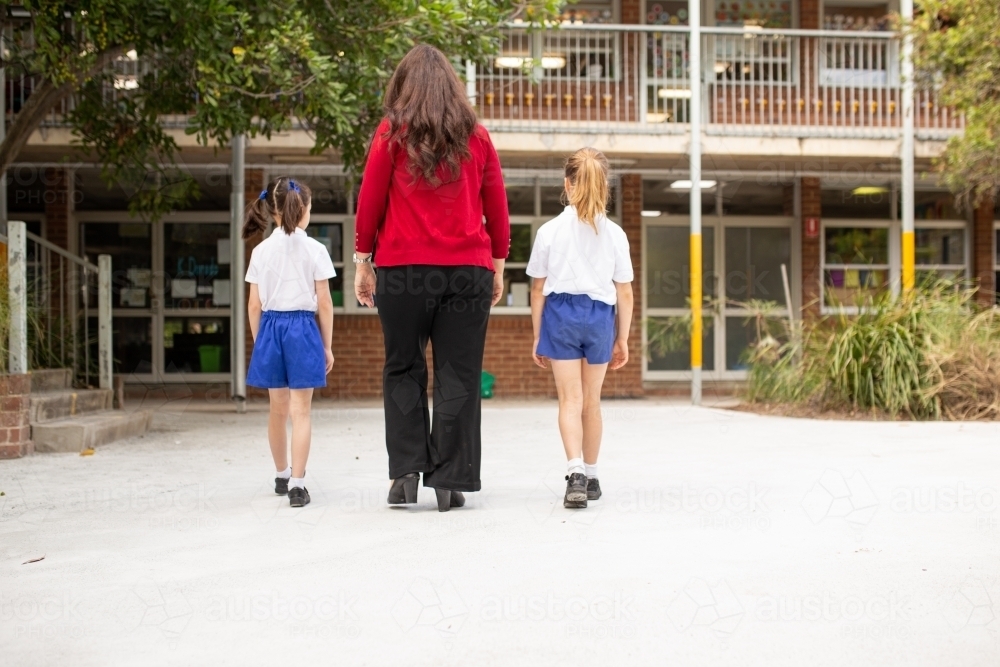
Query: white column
(104, 355)
(470, 81)
(694, 74)
(238, 304)
(17, 289)
(906, 156)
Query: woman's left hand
(364, 284)
(497, 287)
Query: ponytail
(587, 171)
(284, 201)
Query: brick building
(801, 140)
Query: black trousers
(450, 306)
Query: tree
(226, 67)
(957, 53)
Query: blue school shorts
(288, 352)
(574, 326)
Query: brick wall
(631, 11)
(983, 252)
(15, 433)
(58, 206)
(628, 380)
(809, 18)
(811, 279)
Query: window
(667, 287)
(754, 256)
(855, 264)
(196, 265)
(331, 235)
(996, 261)
(516, 283)
(940, 252)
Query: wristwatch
(366, 260)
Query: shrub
(928, 355)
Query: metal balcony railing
(753, 82)
(616, 78)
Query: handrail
(59, 251)
(719, 30)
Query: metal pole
(907, 245)
(104, 356)
(3, 130)
(470, 81)
(17, 285)
(238, 303)
(694, 77)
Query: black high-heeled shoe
(448, 499)
(404, 489)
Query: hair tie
(293, 186)
(263, 195)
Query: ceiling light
(674, 93)
(686, 185)
(865, 190)
(650, 214)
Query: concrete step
(51, 405)
(52, 379)
(78, 433)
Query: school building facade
(801, 121)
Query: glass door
(741, 268)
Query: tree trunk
(41, 101)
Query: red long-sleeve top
(410, 221)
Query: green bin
(211, 358)
(486, 385)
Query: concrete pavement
(723, 538)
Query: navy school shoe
(281, 486)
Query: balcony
(755, 82)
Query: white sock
(575, 465)
(591, 470)
(286, 473)
(297, 483)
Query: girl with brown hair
(431, 177)
(581, 310)
(289, 277)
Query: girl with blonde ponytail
(581, 311)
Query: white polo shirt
(575, 260)
(285, 268)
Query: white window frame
(965, 267)
(156, 311)
(891, 267)
(346, 223)
(720, 224)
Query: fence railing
(596, 78)
(58, 309)
(758, 82)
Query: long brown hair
(429, 114)
(587, 171)
(284, 199)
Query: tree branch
(41, 101)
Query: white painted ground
(722, 539)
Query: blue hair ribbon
(293, 186)
(263, 194)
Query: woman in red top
(431, 177)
